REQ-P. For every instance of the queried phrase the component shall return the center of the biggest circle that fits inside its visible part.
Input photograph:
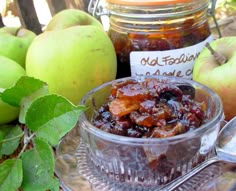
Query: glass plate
(76, 173)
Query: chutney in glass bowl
(145, 131)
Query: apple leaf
(23, 93)
(11, 174)
(38, 168)
(52, 116)
(9, 139)
(24, 87)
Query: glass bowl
(149, 162)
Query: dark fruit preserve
(143, 132)
(158, 37)
(150, 109)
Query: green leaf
(23, 93)
(52, 116)
(24, 87)
(9, 139)
(11, 174)
(38, 168)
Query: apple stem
(220, 58)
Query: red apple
(220, 77)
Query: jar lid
(146, 2)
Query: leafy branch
(26, 147)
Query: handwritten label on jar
(178, 62)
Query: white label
(178, 62)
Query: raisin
(134, 133)
(190, 120)
(103, 108)
(187, 90)
(123, 122)
(176, 108)
(169, 91)
(106, 115)
(118, 130)
(142, 129)
(106, 127)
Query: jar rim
(152, 9)
(146, 2)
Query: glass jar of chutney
(157, 37)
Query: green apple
(15, 42)
(73, 60)
(10, 72)
(71, 17)
(219, 77)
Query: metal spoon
(225, 152)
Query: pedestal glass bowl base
(100, 182)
